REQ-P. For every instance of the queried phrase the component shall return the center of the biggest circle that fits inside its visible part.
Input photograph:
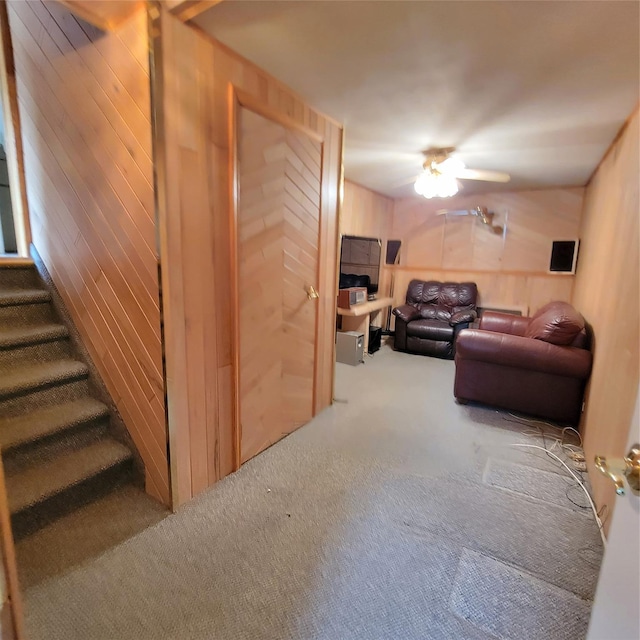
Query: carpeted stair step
(17, 297)
(21, 336)
(19, 274)
(25, 306)
(44, 424)
(45, 492)
(33, 343)
(25, 379)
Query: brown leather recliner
(433, 315)
(537, 365)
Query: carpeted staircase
(57, 447)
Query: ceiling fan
(482, 213)
(441, 172)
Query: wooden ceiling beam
(188, 9)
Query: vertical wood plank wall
(606, 291)
(196, 78)
(85, 115)
(510, 271)
(365, 212)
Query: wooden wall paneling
(186, 240)
(127, 113)
(12, 136)
(87, 159)
(60, 155)
(606, 292)
(535, 219)
(458, 242)
(421, 233)
(107, 15)
(365, 213)
(131, 97)
(368, 214)
(511, 268)
(90, 310)
(48, 76)
(78, 291)
(223, 75)
(511, 290)
(196, 440)
(139, 299)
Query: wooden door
(278, 224)
(616, 608)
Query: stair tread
(10, 297)
(31, 334)
(29, 487)
(17, 262)
(41, 423)
(32, 376)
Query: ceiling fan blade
(458, 212)
(403, 183)
(481, 174)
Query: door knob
(620, 468)
(312, 294)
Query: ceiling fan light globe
(451, 166)
(436, 185)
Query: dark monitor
(564, 256)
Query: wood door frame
(11, 610)
(13, 137)
(237, 99)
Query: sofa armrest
(466, 316)
(523, 353)
(406, 312)
(504, 323)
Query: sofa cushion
(421, 292)
(557, 322)
(430, 329)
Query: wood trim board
(13, 136)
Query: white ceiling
(537, 89)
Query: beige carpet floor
(395, 514)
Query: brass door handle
(603, 466)
(618, 469)
(312, 294)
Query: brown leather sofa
(537, 365)
(433, 315)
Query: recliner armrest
(523, 353)
(406, 312)
(469, 315)
(504, 323)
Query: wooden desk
(358, 318)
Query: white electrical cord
(577, 479)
